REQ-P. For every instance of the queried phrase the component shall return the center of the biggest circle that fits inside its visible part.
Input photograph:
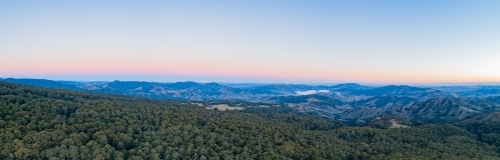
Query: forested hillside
(40, 123)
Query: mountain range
(349, 101)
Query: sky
(289, 41)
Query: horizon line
(292, 83)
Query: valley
(347, 102)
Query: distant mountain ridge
(345, 101)
(472, 91)
(178, 90)
(41, 83)
(402, 90)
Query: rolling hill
(385, 102)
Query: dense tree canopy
(39, 123)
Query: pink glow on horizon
(147, 66)
(240, 72)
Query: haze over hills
(348, 101)
(44, 123)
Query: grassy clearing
(198, 104)
(224, 107)
(397, 125)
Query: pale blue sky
(252, 41)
